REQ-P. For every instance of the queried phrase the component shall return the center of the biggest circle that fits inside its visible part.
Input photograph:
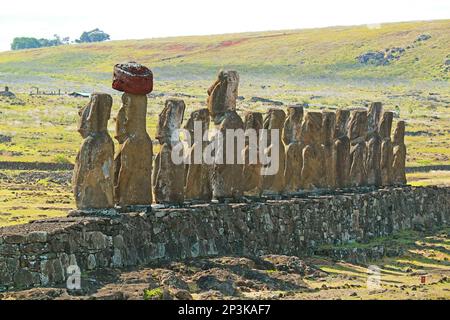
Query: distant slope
(326, 53)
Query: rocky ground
(421, 271)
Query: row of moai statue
(317, 150)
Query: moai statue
(373, 158)
(168, 177)
(294, 148)
(133, 162)
(313, 169)
(329, 163)
(197, 186)
(341, 149)
(386, 148)
(252, 177)
(94, 167)
(274, 183)
(357, 132)
(399, 147)
(226, 178)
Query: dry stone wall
(38, 253)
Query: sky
(139, 19)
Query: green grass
(291, 56)
(153, 294)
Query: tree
(20, 43)
(95, 35)
(31, 43)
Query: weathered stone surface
(287, 227)
(133, 78)
(197, 185)
(133, 162)
(312, 170)
(94, 167)
(373, 143)
(293, 124)
(274, 120)
(387, 156)
(399, 151)
(226, 179)
(329, 162)
(373, 118)
(342, 119)
(341, 149)
(252, 177)
(373, 160)
(357, 132)
(168, 179)
(294, 148)
(222, 95)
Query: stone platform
(38, 253)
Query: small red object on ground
(133, 78)
(423, 279)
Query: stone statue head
(275, 119)
(399, 133)
(222, 95)
(342, 118)
(385, 127)
(312, 128)
(201, 115)
(357, 126)
(291, 130)
(170, 120)
(374, 118)
(328, 125)
(253, 120)
(94, 117)
(295, 113)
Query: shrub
(153, 294)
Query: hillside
(327, 54)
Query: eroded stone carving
(313, 169)
(274, 120)
(252, 177)
(226, 178)
(294, 148)
(94, 167)
(325, 150)
(357, 131)
(329, 163)
(168, 177)
(197, 186)
(399, 150)
(386, 148)
(341, 152)
(133, 162)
